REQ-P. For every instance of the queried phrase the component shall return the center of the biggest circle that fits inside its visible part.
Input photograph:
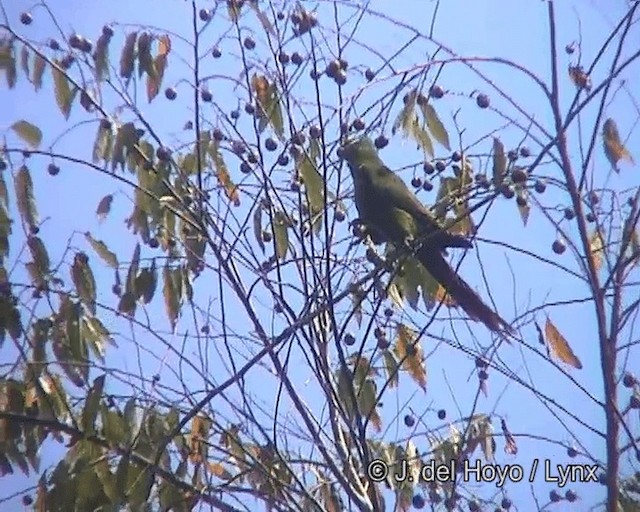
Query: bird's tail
(460, 291)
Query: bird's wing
(401, 197)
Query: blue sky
(514, 31)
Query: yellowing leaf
(222, 173)
(25, 198)
(128, 55)
(435, 126)
(268, 99)
(28, 132)
(172, 292)
(101, 57)
(39, 254)
(559, 345)
(410, 353)
(499, 162)
(83, 280)
(154, 81)
(614, 149)
(63, 91)
(104, 207)
(596, 248)
(579, 78)
(103, 251)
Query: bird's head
(357, 149)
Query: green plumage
(392, 213)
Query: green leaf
(391, 367)
(8, 63)
(257, 225)
(367, 403)
(90, 411)
(314, 187)
(103, 145)
(281, 237)
(25, 198)
(39, 65)
(132, 274)
(435, 126)
(499, 162)
(28, 132)
(64, 92)
(103, 251)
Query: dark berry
(283, 159)
(525, 152)
(569, 214)
(26, 18)
(249, 43)
(153, 243)
(358, 124)
(380, 142)
(427, 186)
(572, 452)
(571, 496)
(483, 375)
(409, 420)
(369, 74)
(205, 15)
(436, 92)
(218, 135)
(558, 246)
(440, 166)
(75, 41)
(590, 216)
(249, 109)
(296, 58)
(416, 182)
(245, 168)
(270, 144)
(235, 114)
(540, 186)
(628, 380)
(482, 100)
(519, 175)
(170, 93)
(418, 501)
(315, 132)
(216, 53)
(349, 340)
(428, 168)
(283, 58)
(54, 45)
(442, 414)
(53, 169)
(456, 156)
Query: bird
(392, 213)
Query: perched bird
(392, 213)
